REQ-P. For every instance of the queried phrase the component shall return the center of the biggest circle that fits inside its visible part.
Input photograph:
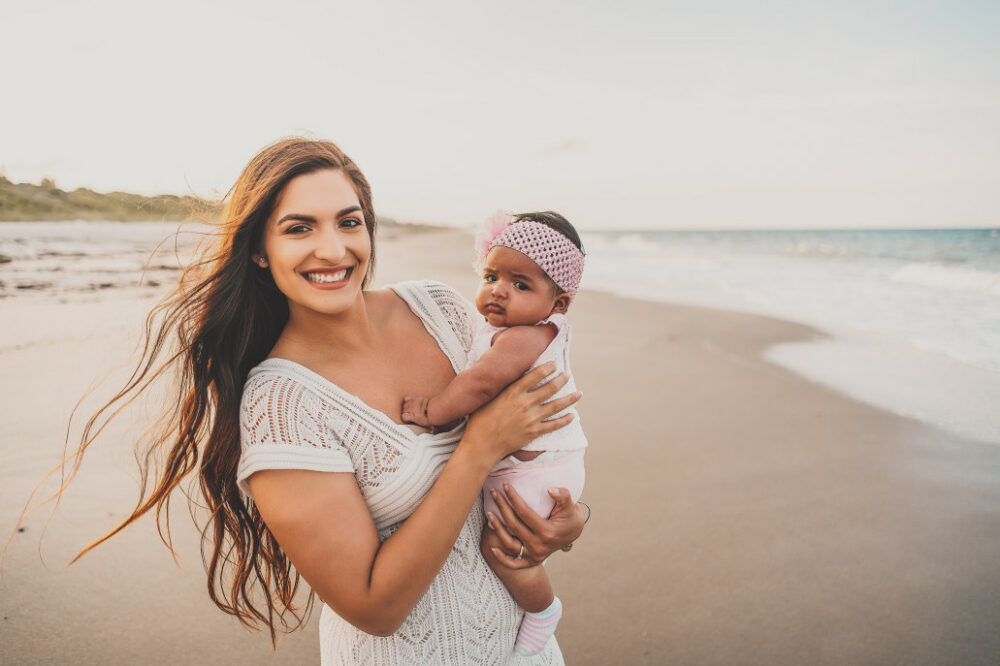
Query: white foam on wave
(816, 250)
(952, 278)
(918, 337)
(897, 377)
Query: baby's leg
(530, 587)
(532, 591)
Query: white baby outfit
(562, 464)
(292, 418)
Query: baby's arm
(511, 355)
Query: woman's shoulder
(441, 307)
(434, 290)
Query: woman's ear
(260, 260)
(561, 304)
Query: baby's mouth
(493, 308)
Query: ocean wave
(628, 242)
(817, 250)
(948, 277)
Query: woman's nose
(330, 247)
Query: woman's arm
(326, 530)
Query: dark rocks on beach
(4, 259)
(33, 285)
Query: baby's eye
(520, 286)
(489, 278)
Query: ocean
(912, 318)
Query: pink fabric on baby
(533, 480)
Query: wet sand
(741, 514)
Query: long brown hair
(222, 320)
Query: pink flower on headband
(491, 228)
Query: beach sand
(741, 514)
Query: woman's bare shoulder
(385, 304)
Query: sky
(619, 115)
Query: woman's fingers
(536, 546)
(564, 501)
(510, 544)
(513, 524)
(510, 519)
(513, 562)
(535, 376)
(525, 513)
(559, 404)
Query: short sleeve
(460, 314)
(285, 425)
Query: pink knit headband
(555, 254)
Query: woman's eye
(297, 229)
(520, 286)
(351, 222)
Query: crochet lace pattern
(554, 253)
(292, 418)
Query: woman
(381, 518)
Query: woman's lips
(329, 278)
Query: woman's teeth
(327, 277)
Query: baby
(531, 269)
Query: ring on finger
(520, 555)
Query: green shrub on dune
(45, 201)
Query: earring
(260, 260)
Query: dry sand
(741, 515)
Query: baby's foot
(415, 410)
(537, 628)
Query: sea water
(913, 316)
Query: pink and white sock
(537, 628)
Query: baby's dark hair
(555, 221)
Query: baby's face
(514, 291)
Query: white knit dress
(292, 418)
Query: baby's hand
(415, 410)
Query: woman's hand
(517, 415)
(540, 537)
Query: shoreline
(741, 513)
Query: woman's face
(316, 243)
(514, 291)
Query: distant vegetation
(27, 202)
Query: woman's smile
(329, 278)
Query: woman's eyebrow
(300, 217)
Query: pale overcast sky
(619, 114)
